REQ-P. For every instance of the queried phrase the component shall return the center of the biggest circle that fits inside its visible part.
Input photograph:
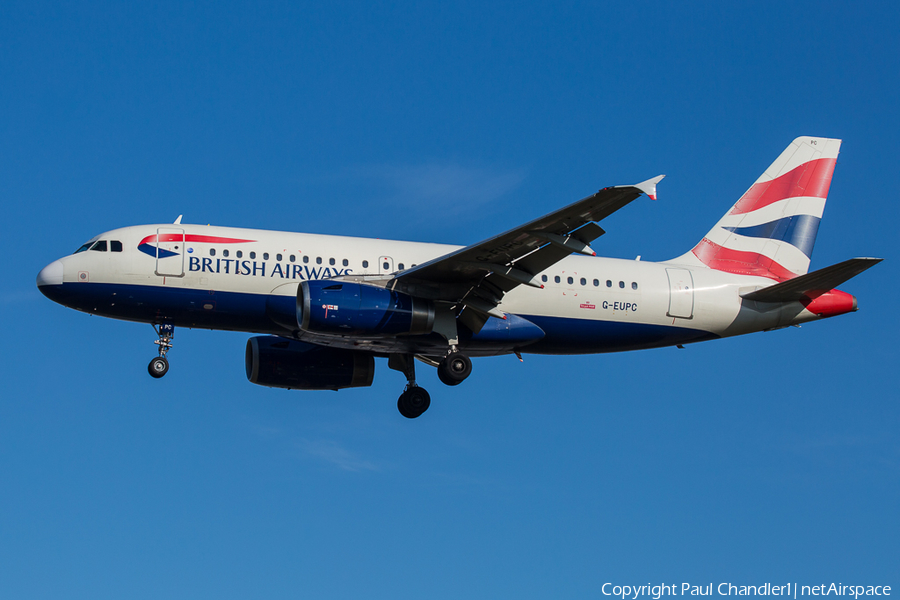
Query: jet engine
(345, 308)
(274, 361)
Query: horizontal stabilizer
(822, 280)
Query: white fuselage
(246, 280)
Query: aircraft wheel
(443, 377)
(158, 367)
(454, 369)
(413, 402)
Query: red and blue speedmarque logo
(147, 246)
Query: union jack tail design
(771, 230)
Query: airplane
(324, 307)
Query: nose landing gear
(159, 366)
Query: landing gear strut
(159, 366)
(414, 400)
(454, 369)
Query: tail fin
(771, 230)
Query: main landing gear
(454, 369)
(159, 366)
(414, 400)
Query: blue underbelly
(586, 336)
(261, 313)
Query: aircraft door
(681, 293)
(385, 265)
(170, 252)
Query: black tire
(454, 369)
(413, 402)
(443, 377)
(158, 367)
(404, 408)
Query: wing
(475, 278)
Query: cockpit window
(115, 246)
(99, 246)
(84, 247)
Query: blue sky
(771, 457)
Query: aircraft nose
(52, 274)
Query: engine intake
(344, 308)
(279, 362)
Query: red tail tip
(830, 304)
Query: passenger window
(331, 261)
(345, 262)
(212, 251)
(634, 285)
(583, 281)
(225, 253)
(365, 264)
(609, 283)
(292, 258)
(622, 284)
(596, 283)
(544, 278)
(305, 258)
(253, 256)
(570, 280)
(556, 279)
(318, 260)
(99, 246)
(115, 246)
(278, 257)
(386, 266)
(265, 256)
(400, 266)
(240, 254)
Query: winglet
(178, 220)
(649, 186)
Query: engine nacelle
(344, 308)
(279, 362)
